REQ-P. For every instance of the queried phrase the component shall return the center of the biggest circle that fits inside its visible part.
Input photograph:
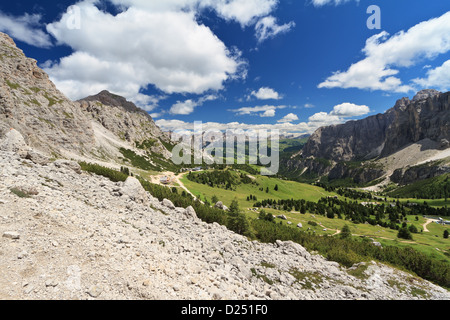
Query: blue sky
(280, 64)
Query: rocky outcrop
(126, 121)
(31, 104)
(58, 127)
(409, 175)
(425, 117)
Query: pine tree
(237, 221)
(404, 233)
(346, 232)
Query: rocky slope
(93, 129)
(65, 234)
(30, 103)
(126, 121)
(425, 118)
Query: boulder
(190, 213)
(300, 225)
(221, 206)
(169, 204)
(11, 235)
(133, 189)
(68, 164)
(37, 158)
(14, 142)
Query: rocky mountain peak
(53, 124)
(110, 99)
(425, 94)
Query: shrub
(111, 174)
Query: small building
(165, 180)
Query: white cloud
(184, 108)
(309, 106)
(151, 43)
(289, 118)
(265, 94)
(438, 78)
(264, 111)
(243, 11)
(348, 110)
(320, 3)
(26, 29)
(267, 28)
(188, 107)
(385, 55)
(324, 119)
(137, 48)
(286, 126)
(268, 114)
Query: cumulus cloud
(267, 28)
(385, 55)
(265, 93)
(264, 111)
(436, 78)
(152, 43)
(289, 118)
(268, 114)
(140, 47)
(320, 3)
(26, 28)
(340, 114)
(348, 110)
(188, 107)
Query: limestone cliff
(346, 147)
(93, 129)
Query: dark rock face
(418, 173)
(360, 175)
(110, 99)
(426, 116)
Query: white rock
(133, 189)
(190, 213)
(11, 235)
(13, 142)
(167, 203)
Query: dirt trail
(175, 180)
(429, 221)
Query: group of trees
(434, 188)
(385, 215)
(225, 179)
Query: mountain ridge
(356, 149)
(58, 127)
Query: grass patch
(359, 271)
(13, 86)
(22, 193)
(51, 124)
(35, 102)
(308, 280)
(261, 276)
